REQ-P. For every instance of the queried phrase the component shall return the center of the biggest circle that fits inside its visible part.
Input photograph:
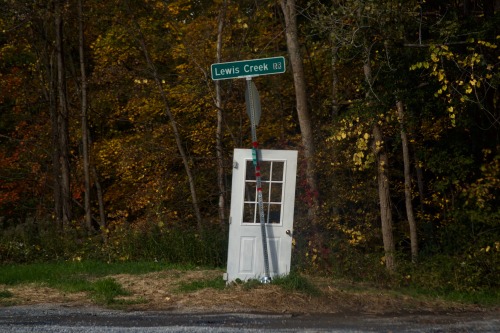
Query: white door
(245, 254)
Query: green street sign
(248, 68)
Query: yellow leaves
(487, 44)
(474, 72)
(355, 131)
(313, 254)
(355, 236)
(358, 158)
(339, 136)
(175, 8)
(488, 248)
(362, 143)
(473, 82)
(419, 65)
(440, 75)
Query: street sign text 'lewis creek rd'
(248, 68)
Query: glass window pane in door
(265, 191)
(249, 213)
(278, 170)
(250, 191)
(265, 170)
(250, 170)
(274, 214)
(276, 192)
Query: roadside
(161, 291)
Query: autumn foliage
(148, 69)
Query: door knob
(288, 232)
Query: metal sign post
(254, 111)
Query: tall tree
(219, 131)
(62, 118)
(173, 125)
(292, 40)
(407, 181)
(382, 160)
(84, 117)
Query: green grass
(5, 294)
(63, 275)
(88, 276)
(296, 282)
(250, 284)
(6, 298)
(291, 282)
(106, 291)
(480, 297)
(216, 283)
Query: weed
(296, 282)
(106, 290)
(251, 284)
(6, 294)
(216, 283)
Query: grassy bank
(98, 280)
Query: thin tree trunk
(383, 180)
(49, 91)
(85, 135)
(100, 200)
(335, 81)
(384, 198)
(177, 136)
(219, 133)
(290, 14)
(56, 163)
(420, 184)
(62, 119)
(408, 199)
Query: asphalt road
(59, 319)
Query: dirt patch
(160, 291)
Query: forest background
(116, 145)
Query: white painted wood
(245, 258)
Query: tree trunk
(290, 14)
(100, 200)
(219, 133)
(177, 136)
(62, 119)
(335, 81)
(383, 180)
(85, 135)
(49, 92)
(56, 163)
(407, 176)
(384, 197)
(420, 184)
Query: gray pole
(255, 156)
